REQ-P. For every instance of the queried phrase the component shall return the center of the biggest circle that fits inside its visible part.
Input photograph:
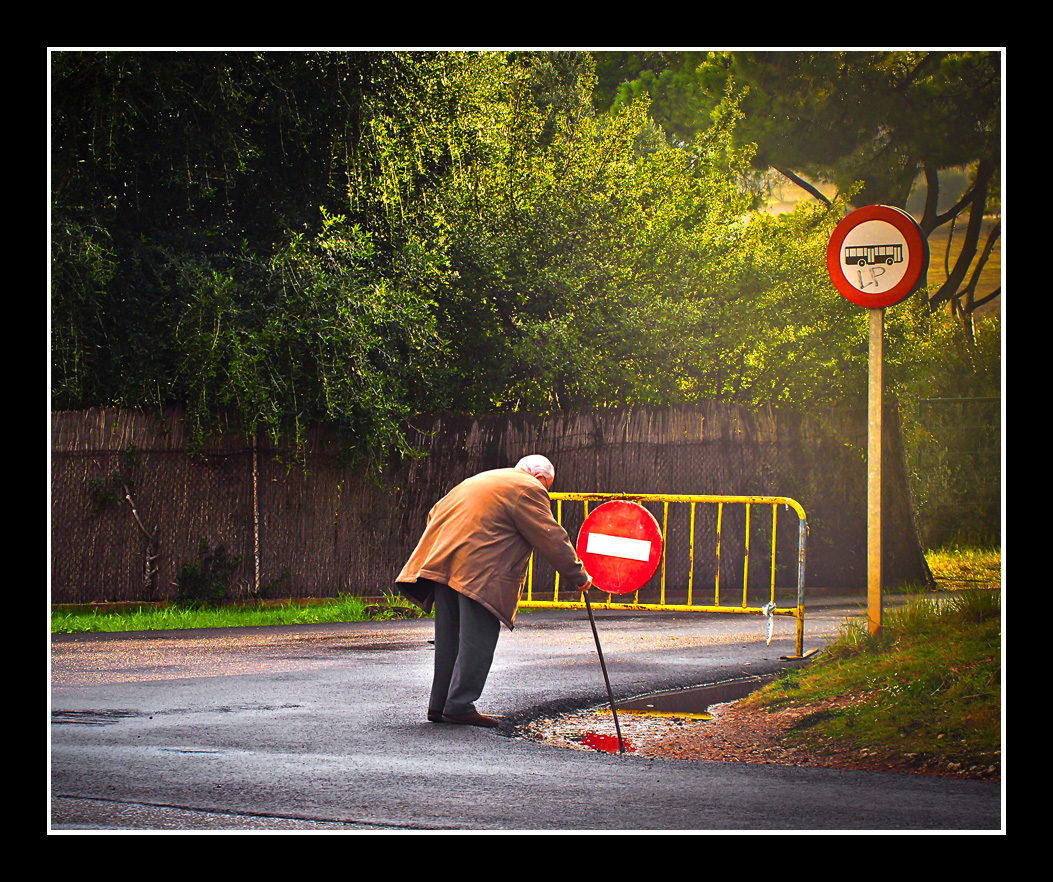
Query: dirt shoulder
(736, 733)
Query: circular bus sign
(876, 256)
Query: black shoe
(434, 716)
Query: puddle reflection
(606, 743)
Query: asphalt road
(323, 728)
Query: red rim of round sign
(621, 524)
(917, 249)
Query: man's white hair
(537, 465)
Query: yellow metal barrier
(769, 609)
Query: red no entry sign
(620, 544)
(876, 256)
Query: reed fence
(131, 503)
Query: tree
(872, 123)
(676, 290)
(590, 262)
(249, 231)
(356, 238)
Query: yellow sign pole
(874, 402)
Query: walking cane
(603, 666)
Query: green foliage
(191, 264)
(928, 687)
(968, 566)
(206, 581)
(358, 237)
(952, 412)
(315, 334)
(597, 274)
(891, 127)
(345, 608)
(872, 117)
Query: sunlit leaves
(357, 237)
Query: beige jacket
(478, 541)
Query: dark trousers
(465, 640)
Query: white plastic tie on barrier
(769, 610)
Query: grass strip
(346, 608)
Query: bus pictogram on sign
(864, 255)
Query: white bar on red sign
(618, 546)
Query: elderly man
(470, 565)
